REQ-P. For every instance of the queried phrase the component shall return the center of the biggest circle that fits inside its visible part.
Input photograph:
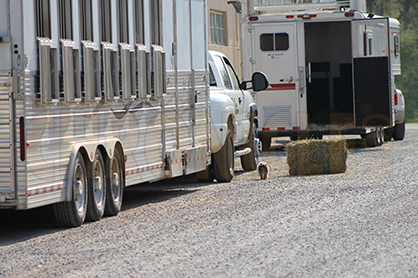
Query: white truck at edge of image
(331, 69)
(233, 115)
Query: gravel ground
(362, 223)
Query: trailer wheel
(115, 183)
(224, 160)
(249, 161)
(399, 131)
(97, 188)
(207, 175)
(266, 144)
(73, 213)
(374, 138)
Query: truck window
(274, 42)
(222, 70)
(232, 75)
(212, 80)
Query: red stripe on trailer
(281, 128)
(282, 87)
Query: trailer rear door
(372, 73)
(275, 51)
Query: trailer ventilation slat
(277, 116)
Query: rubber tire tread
(221, 165)
(66, 213)
(93, 212)
(399, 131)
(112, 208)
(249, 161)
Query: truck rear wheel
(115, 183)
(249, 161)
(97, 188)
(224, 160)
(73, 213)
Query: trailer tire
(97, 188)
(373, 139)
(249, 161)
(206, 175)
(266, 144)
(115, 183)
(224, 160)
(73, 213)
(399, 131)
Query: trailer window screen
(123, 21)
(66, 19)
(86, 20)
(106, 21)
(155, 22)
(43, 19)
(217, 28)
(139, 21)
(274, 42)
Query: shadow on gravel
(142, 194)
(21, 225)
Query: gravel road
(362, 223)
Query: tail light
(22, 138)
(396, 98)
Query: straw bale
(316, 157)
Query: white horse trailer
(330, 65)
(96, 95)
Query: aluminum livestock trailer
(97, 95)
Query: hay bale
(316, 157)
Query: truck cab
(233, 117)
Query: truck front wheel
(249, 161)
(224, 160)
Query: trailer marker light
(289, 16)
(296, 127)
(253, 18)
(266, 128)
(349, 14)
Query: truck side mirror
(259, 81)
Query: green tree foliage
(406, 12)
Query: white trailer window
(123, 21)
(66, 19)
(217, 28)
(106, 21)
(274, 42)
(139, 21)
(86, 20)
(43, 18)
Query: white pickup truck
(233, 119)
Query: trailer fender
(88, 150)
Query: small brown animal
(263, 170)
